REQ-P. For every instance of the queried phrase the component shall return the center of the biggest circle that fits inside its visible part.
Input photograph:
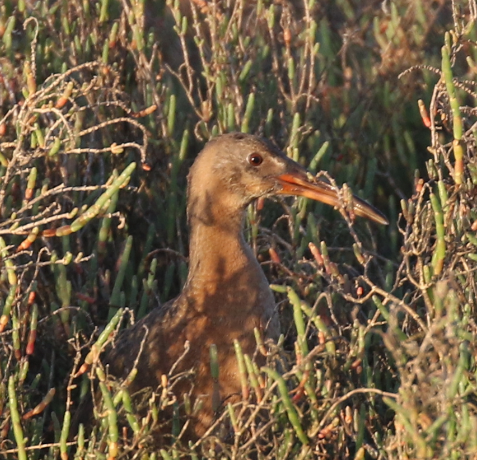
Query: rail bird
(226, 295)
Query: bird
(226, 295)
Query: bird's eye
(255, 159)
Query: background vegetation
(103, 107)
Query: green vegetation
(379, 346)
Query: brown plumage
(226, 294)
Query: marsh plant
(103, 106)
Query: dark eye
(255, 159)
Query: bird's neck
(221, 262)
(218, 249)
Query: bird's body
(226, 295)
(225, 299)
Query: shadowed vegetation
(103, 107)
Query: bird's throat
(222, 268)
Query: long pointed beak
(296, 184)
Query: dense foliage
(103, 106)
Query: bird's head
(242, 167)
